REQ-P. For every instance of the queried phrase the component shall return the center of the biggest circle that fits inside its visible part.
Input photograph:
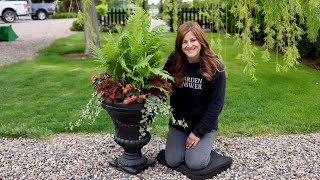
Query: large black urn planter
(126, 119)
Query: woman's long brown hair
(209, 62)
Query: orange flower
(100, 74)
(143, 96)
(134, 98)
(126, 88)
(127, 101)
(93, 78)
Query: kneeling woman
(198, 97)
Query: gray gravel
(32, 37)
(85, 156)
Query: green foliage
(171, 13)
(77, 26)
(311, 12)
(282, 30)
(244, 25)
(155, 108)
(102, 10)
(63, 15)
(309, 49)
(134, 57)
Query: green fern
(134, 57)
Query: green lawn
(40, 97)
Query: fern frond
(138, 22)
(149, 86)
(123, 65)
(164, 74)
(140, 66)
(135, 56)
(138, 81)
(97, 53)
(144, 60)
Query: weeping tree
(282, 26)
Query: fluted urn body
(126, 119)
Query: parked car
(10, 9)
(42, 9)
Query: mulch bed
(77, 55)
(313, 63)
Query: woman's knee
(196, 164)
(173, 160)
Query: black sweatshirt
(199, 102)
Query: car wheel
(42, 15)
(9, 16)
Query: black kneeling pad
(217, 164)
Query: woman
(198, 97)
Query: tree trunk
(91, 35)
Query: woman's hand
(192, 141)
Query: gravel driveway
(33, 36)
(86, 156)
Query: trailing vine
(89, 114)
(153, 107)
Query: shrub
(308, 49)
(305, 47)
(111, 28)
(102, 10)
(77, 26)
(64, 15)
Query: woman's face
(191, 47)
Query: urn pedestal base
(132, 169)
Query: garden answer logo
(193, 83)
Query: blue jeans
(197, 158)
